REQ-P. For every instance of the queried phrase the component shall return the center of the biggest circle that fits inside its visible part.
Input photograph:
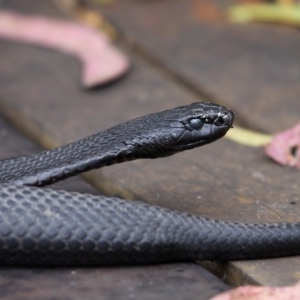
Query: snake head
(194, 125)
(168, 132)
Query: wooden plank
(253, 68)
(147, 282)
(39, 94)
(169, 281)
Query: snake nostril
(220, 121)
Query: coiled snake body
(47, 227)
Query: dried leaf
(102, 62)
(248, 137)
(261, 293)
(280, 13)
(284, 147)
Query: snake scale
(47, 227)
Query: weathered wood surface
(254, 68)
(168, 281)
(39, 93)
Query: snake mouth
(194, 145)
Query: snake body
(47, 227)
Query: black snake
(47, 227)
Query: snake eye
(196, 123)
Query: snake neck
(115, 145)
(54, 165)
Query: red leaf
(102, 62)
(284, 147)
(261, 293)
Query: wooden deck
(178, 58)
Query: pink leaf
(261, 293)
(284, 147)
(102, 62)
